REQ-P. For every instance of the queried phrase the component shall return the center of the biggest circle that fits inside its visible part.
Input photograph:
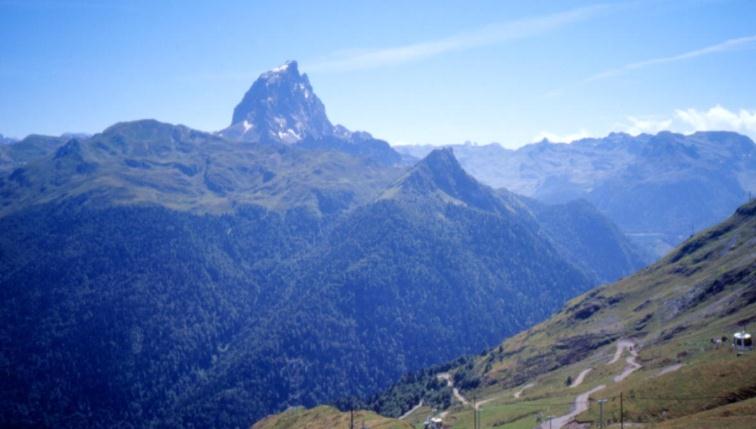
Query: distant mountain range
(15, 154)
(161, 275)
(6, 140)
(657, 188)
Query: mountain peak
(290, 66)
(280, 106)
(439, 168)
(441, 158)
(444, 168)
(439, 175)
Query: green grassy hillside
(325, 417)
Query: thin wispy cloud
(486, 36)
(739, 43)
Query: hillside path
(493, 398)
(485, 401)
(519, 392)
(632, 363)
(411, 410)
(579, 380)
(580, 405)
(450, 381)
(621, 346)
(671, 368)
(581, 401)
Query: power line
(678, 398)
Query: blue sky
(409, 72)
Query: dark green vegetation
(588, 239)
(657, 188)
(671, 311)
(157, 275)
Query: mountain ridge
(656, 188)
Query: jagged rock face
(280, 106)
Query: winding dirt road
(667, 370)
(519, 392)
(581, 404)
(632, 363)
(411, 410)
(450, 381)
(493, 398)
(579, 380)
(582, 400)
(621, 346)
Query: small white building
(434, 423)
(742, 341)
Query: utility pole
(601, 412)
(475, 412)
(622, 413)
(550, 419)
(351, 413)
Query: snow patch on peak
(288, 136)
(285, 67)
(281, 68)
